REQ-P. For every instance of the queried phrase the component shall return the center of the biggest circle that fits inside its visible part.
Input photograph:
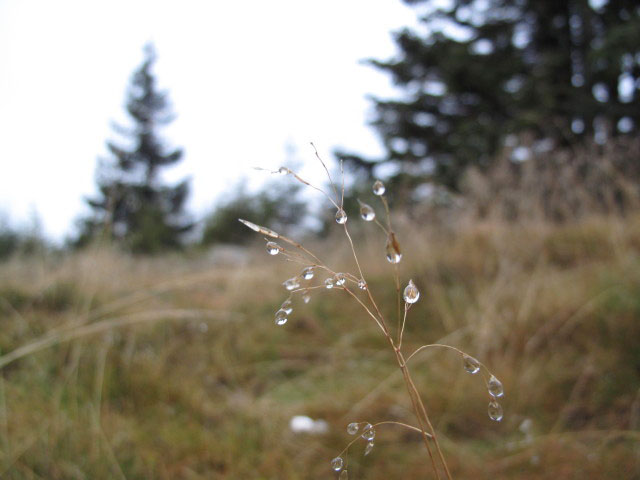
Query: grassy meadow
(172, 367)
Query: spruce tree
(134, 206)
(482, 73)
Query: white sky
(245, 78)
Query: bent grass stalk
(340, 281)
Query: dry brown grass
(553, 309)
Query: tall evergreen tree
(133, 205)
(479, 72)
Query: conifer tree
(484, 72)
(134, 206)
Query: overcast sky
(245, 78)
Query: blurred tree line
(475, 78)
(22, 240)
(479, 75)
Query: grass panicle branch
(338, 281)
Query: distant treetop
(133, 206)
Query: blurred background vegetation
(145, 346)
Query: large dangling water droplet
(392, 249)
(308, 273)
(337, 464)
(340, 279)
(344, 475)
(366, 212)
(470, 364)
(495, 411)
(495, 387)
(368, 432)
(286, 306)
(291, 284)
(411, 293)
(341, 216)
(378, 188)
(352, 428)
(281, 317)
(283, 170)
(306, 296)
(362, 285)
(273, 248)
(328, 283)
(368, 448)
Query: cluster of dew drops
(392, 254)
(411, 295)
(496, 390)
(368, 433)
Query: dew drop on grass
(411, 293)
(392, 249)
(352, 428)
(470, 364)
(281, 317)
(341, 216)
(337, 464)
(273, 248)
(495, 411)
(291, 284)
(344, 475)
(340, 279)
(366, 212)
(368, 432)
(362, 285)
(378, 188)
(368, 448)
(286, 306)
(307, 273)
(328, 283)
(495, 387)
(306, 296)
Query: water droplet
(392, 249)
(337, 464)
(306, 296)
(328, 283)
(495, 411)
(362, 285)
(291, 284)
(411, 293)
(495, 387)
(368, 432)
(281, 317)
(378, 188)
(307, 273)
(340, 279)
(286, 306)
(368, 448)
(283, 170)
(344, 475)
(470, 364)
(273, 248)
(366, 212)
(341, 217)
(352, 428)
